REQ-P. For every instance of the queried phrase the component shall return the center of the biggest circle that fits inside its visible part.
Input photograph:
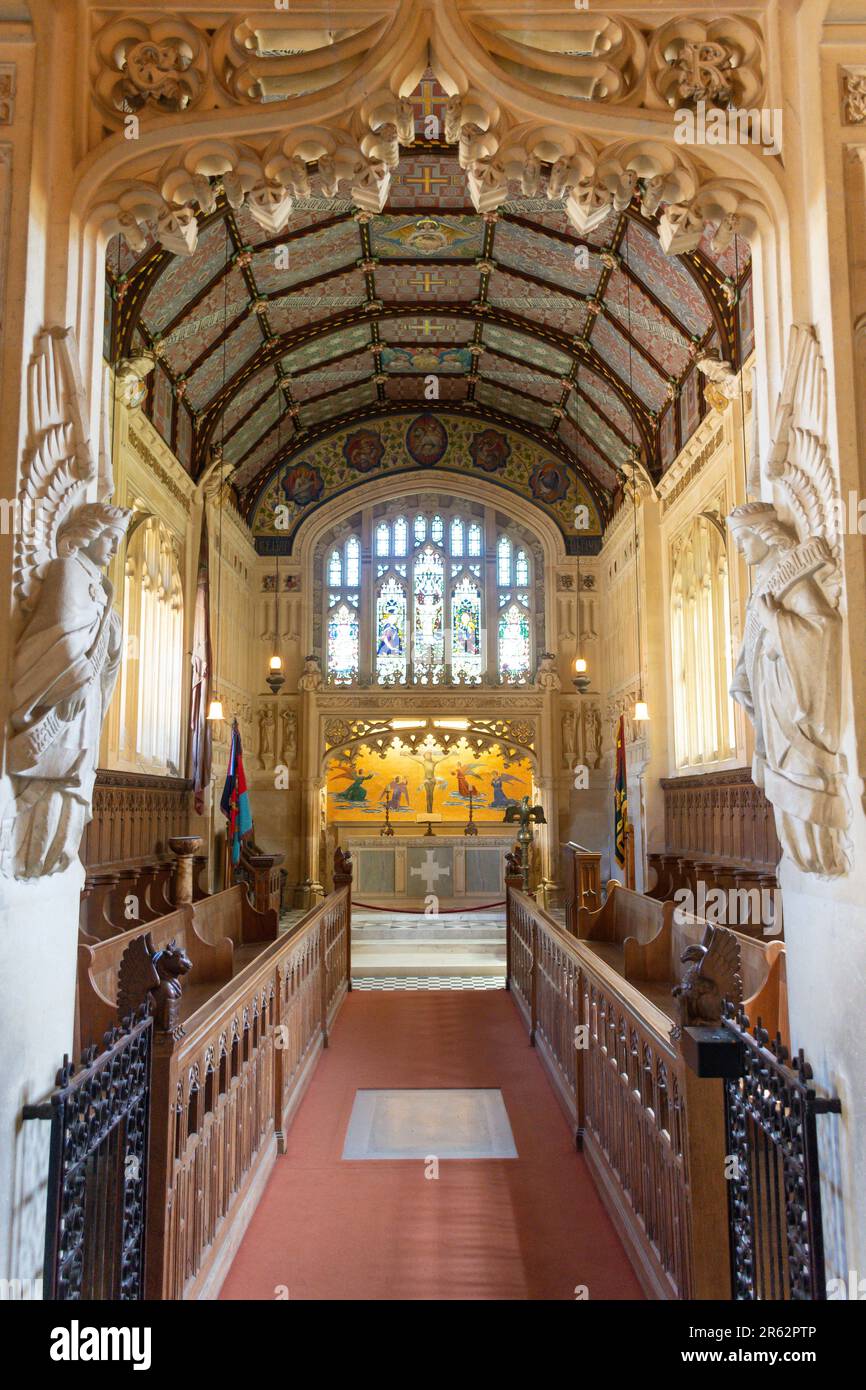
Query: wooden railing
(225, 1086)
(651, 1130)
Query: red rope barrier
(412, 912)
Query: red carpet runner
(530, 1228)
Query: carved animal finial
(342, 863)
(148, 973)
(513, 862)
(713, 975)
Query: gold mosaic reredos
(397, 444)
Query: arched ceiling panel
(267, 342)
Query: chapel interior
(434, 721)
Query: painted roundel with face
(364, 450)
(301, 484)
(549, 482)
(426, 440)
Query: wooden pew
(630, 931)
(219, 934)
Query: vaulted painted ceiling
(587, 345)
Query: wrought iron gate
(97, 1172)
(774, 1192)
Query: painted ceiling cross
(425, 179)
(426, 326)
(426, 281)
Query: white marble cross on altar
(430, 871)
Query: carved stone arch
(316, 535)
(516, 733)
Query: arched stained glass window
(391, 643)
(466, 654)
(514, 655)
(343, 645)
(428, 653)
(425, 611)
(353, 562)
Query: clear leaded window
(426, 605)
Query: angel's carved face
(754, 549)
(103, 548)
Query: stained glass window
(428, 619)
(391, 632)
(503, 560)
(353, 562)
(343, 645)
(426, 603)
(466, 657)
(514, 644)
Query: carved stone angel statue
(68, 653)
(788, 676)
(788, 679)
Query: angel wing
(137, 975)
(509, 777)
(58, 461)
(721, 962)
(799, 461)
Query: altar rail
(225, 1087)
(651, 1130)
